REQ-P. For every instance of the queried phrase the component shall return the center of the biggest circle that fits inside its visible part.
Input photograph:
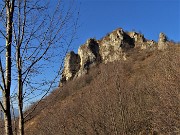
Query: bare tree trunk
(20, 97)
(7, 115)
(13, 116)
(6, 94)
(21, 120)
(20, 92)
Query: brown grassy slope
(137, 96)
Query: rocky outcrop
(76, 65)
(112, 47)
(162, 42)
(138, 38)
(89, 56)
(71, 66)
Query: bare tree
(37, 34)
(8, 22)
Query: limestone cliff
(71, 66)
(113, 46)
(89, 56)
(110, 48)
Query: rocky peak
(118, 38)
(138, 38)
(162, 41)
(112, 47)
(162, 37)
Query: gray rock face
(89, 53)
(138, 38)
(112, 47)
(76, 65)
(162, 42)
(89, 56)
(71, 66)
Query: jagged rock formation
(89, 56)
(110, 48)
(71, 66)
(138, 38)
(162, 41)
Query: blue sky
(150, 17)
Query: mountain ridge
(114, 46)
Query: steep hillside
(139, 95)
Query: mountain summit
(114, 46)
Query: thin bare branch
(2, 75)
(24, 23)
(3, 34)
(1, 13)
(2, 107)
(1, 87)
